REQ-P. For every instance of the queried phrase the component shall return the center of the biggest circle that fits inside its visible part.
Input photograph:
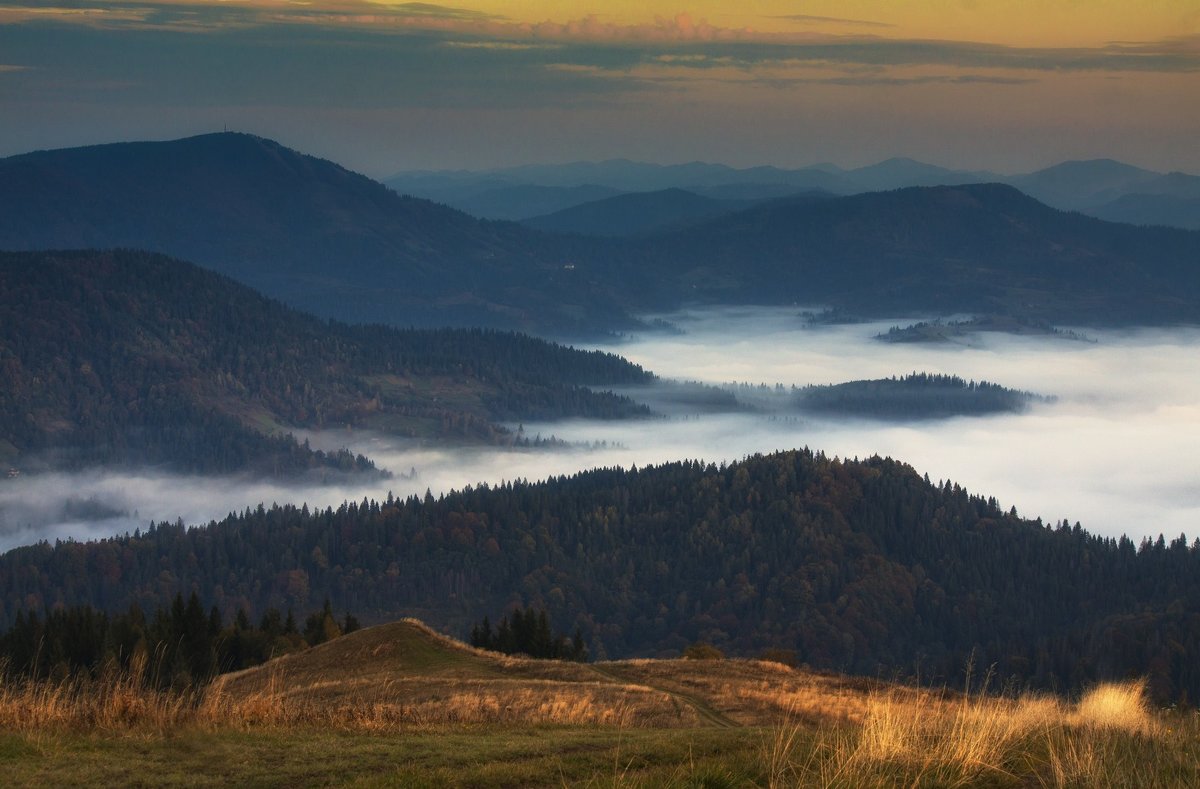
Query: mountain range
(637, 214)
(337, 244)
(297, 228)
(1102, 187)
(981, 248)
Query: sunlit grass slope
(400, 704)
(406, 673)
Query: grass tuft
(1118, 706)
(908, 738)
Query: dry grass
(414, 703)
(393, 677)
(918, 739)
(406, 674)
(760, 693)
(111, 705)
(1117, 706)
(122, 706)
(824, 730)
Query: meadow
(400, 705)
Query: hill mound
(406, 671)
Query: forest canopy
(131, 358)
(855, 565)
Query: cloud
(1181, 44)
(680, 28)
(441, 11)
(501, 46)
(1116, 451)
(380, 86)
(679, 36)
(361, 14)
(95, 15)
(877, 81)
(832, 20)
(1167, 56)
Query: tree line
(855, 565)
(528, 632)
(914, 396)
(176, 646)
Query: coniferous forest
(528, 632)
(130, 358)
(855, 565)
(915, 396)
(179, 645)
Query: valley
(705, 467)
(500, 394)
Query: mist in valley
(1115, 450)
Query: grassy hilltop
(402, 705)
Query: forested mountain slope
(341, 245)
(856, 565)
(130, 357)
(300, 229)
(639, 213)
(975, 248)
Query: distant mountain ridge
(340, 245)
(631, 176)
(298, 228)
(971, 248)
(636, 214)
(1102, 187)
(1152, 210)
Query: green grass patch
(483, 757)
(494, 756)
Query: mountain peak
(1094, 168)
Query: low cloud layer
(1115, 452)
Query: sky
(1006, 85)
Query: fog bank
(1115, 451)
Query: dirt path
(702, 708)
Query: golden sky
(379, 85)
(1010, 22)
(1022, 23)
